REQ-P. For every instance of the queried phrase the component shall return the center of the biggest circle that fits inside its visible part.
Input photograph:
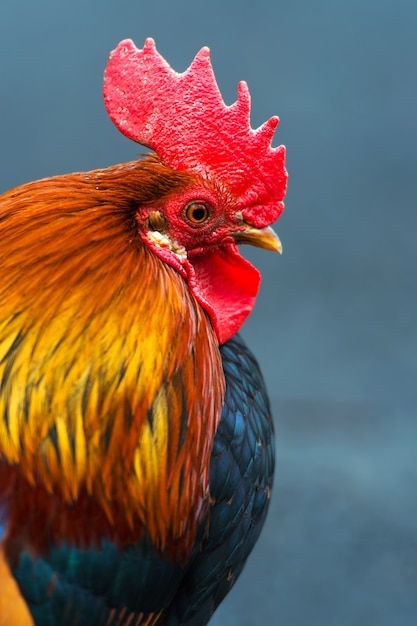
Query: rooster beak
(259, 237)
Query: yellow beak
(259, 237)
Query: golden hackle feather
(111, 383)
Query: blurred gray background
(334, 327)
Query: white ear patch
(163, 241)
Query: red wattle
(226, 285)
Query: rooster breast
(86, 586)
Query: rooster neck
(111, 374)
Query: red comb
(183, 118)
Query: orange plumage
(83, 314)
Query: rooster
(136, 441)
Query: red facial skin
(205, 253)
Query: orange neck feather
(111, 378)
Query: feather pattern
(241, 475)
(80, 367)
(84, 587)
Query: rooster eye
(197, 212)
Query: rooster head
(233, 181)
